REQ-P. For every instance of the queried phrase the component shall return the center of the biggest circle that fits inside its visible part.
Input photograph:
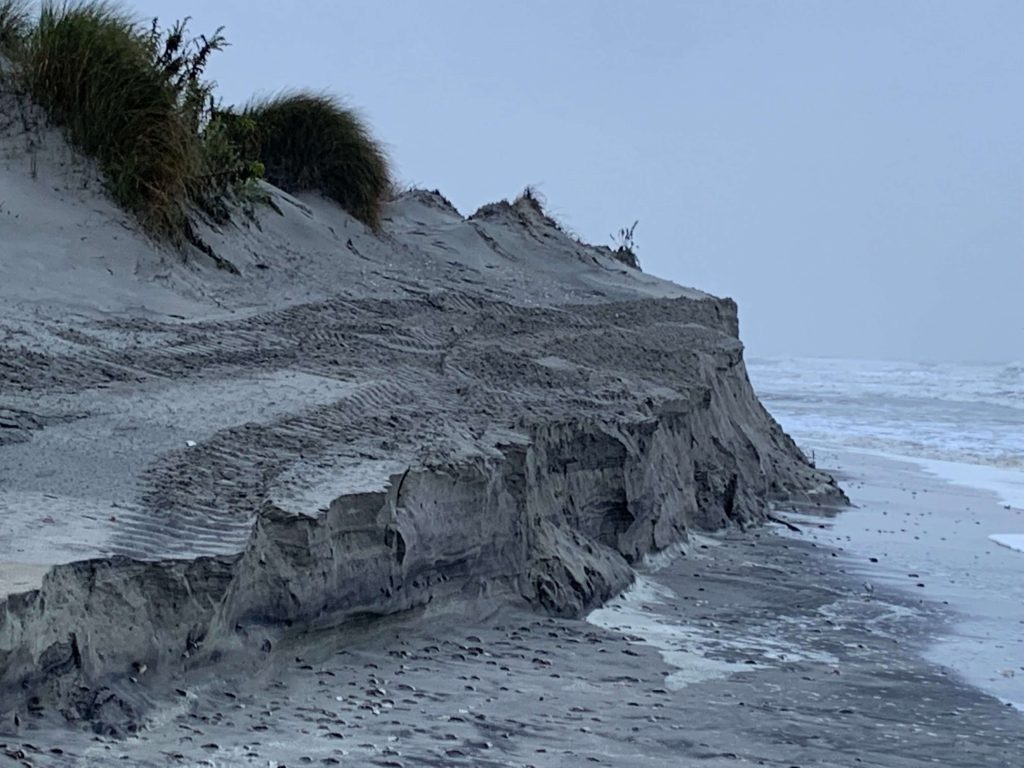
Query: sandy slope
(352, 423)
(756, 650)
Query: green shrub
(224, 141)
(14, 25)
(96, 74)
(312, 142)
(230, 147)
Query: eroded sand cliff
(192, 461)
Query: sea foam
(1011, 540)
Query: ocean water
(951, 412)
(961, 423)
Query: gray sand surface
(791, 663)
(759, 648)
(348, 507)
(196, 461)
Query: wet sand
(932, 539)
(784, 660)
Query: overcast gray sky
(852, 173)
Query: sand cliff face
(356, 425)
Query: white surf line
(1007, 484)
(683, 648)
(1009, 540)
(689, 649)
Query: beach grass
(15, 21)
(313, 142)
(135, 98)
(93, 70)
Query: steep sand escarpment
(355, 424)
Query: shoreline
(931, 537)
(767, 650)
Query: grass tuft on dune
(94, 70)
(135, 98)
(14, 25)
(313, 142)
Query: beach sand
(934, 538)
(764, 647)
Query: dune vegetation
(310, 141)
(136, 98)
(95, 73)
(14, 24)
